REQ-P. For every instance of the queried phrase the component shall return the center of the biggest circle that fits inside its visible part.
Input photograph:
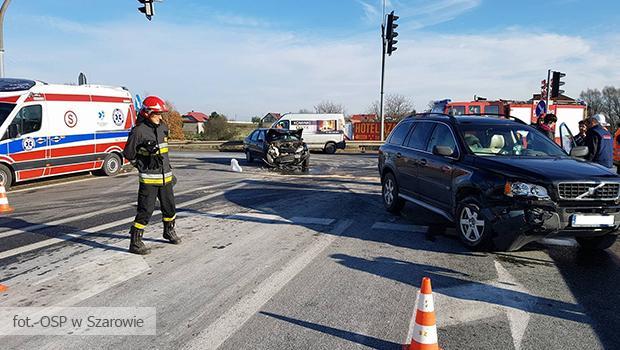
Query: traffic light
(391, 33)
(148, 9)
(543, 89)
(556, 83)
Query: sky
(245, 58)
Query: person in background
(599, 141)
(580, 139)
(547, 125)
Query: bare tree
(396, 107)
(606, 101)
(594, 99)
(329, 107)
(304, 111)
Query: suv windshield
(508, 140)
(5, 110)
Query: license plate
(592, 221)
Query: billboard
(371, 131)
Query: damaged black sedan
(278, 148)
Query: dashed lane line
(98, 212)
(73, 236)
(232, 320)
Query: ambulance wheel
(111, 165)
(6, 176)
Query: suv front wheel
(392, 202)
(473, 229)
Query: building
(359, 118)
(269, 119)
(194, 122)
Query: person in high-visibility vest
(147, 150)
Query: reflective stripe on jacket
(155, 168)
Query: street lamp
(5, 5)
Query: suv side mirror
(443, 151)
(13, 131)
(580, 152)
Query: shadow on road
(353, 337)
(412, 273)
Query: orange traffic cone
(424, 335)
(3, 288)
(4, 201)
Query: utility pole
(3, 9)
(548, 92)
(382, 72)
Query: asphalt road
(280, 261)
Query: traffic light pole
(3, 9)
(548, 90)
(382, 81)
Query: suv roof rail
(497, 115)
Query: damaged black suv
(501, 182)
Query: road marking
(73, 236)
(562, 242)
(517, 318)
(230, 322)
(476, 301)
(261, 217)
(113, 209)
(56, 184)
(398, 227)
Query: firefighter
(147, 150)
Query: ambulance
(49, 130)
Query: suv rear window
(398, 135)
(419, 135)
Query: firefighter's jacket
(147, 150)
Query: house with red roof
(194, 122)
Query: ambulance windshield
(5, 110)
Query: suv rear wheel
(392, 202)
(472, 227)
(596, 243)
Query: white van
(50, 130)
(323, 132)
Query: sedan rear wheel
(248, 156)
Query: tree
(256, 120)
(396, 107)
(594, 100)
(328, 107)
(606, 101)
(173, 119)
(304, 111)
(217, 128)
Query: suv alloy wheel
(389, 192)
(471, 225)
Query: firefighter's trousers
(147, 195)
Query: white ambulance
(50, 130)
(324, 132)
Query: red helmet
(153, 104)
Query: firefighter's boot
(170, 233)
(137, 246)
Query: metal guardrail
(237, 146)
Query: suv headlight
(521, 189)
